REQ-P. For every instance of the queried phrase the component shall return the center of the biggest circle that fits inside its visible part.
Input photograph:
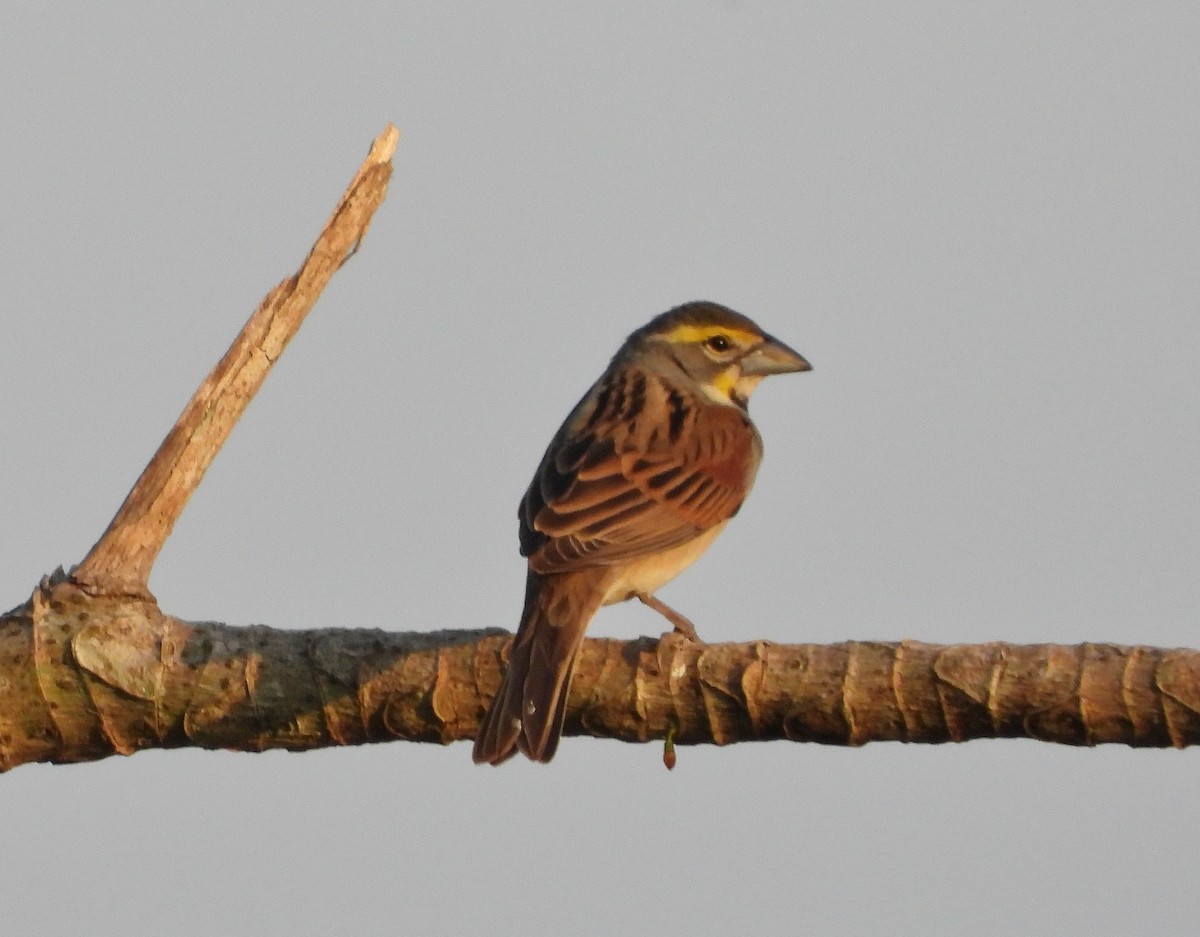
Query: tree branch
(90, 666)
(83, 677)
(121, 560)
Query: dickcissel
(637, 483)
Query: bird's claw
(682, 625)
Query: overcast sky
(980, 222)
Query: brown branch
(83, 677)
(121, 560)
(91, 667)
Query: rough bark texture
(83, 677)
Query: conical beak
(773, 357)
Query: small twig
(122, 558)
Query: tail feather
(528, 711)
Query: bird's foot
(683, 626)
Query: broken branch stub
(121, 561)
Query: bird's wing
(639, 469)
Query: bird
(641, 477)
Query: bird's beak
(773, 357)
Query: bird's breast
(646, 575)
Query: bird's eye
(718, 343)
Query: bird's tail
(527, 712)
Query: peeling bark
(84, 677)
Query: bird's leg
(682, 625)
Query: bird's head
(721, 351)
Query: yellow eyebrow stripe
(699, 333)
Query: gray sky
(980, 222)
